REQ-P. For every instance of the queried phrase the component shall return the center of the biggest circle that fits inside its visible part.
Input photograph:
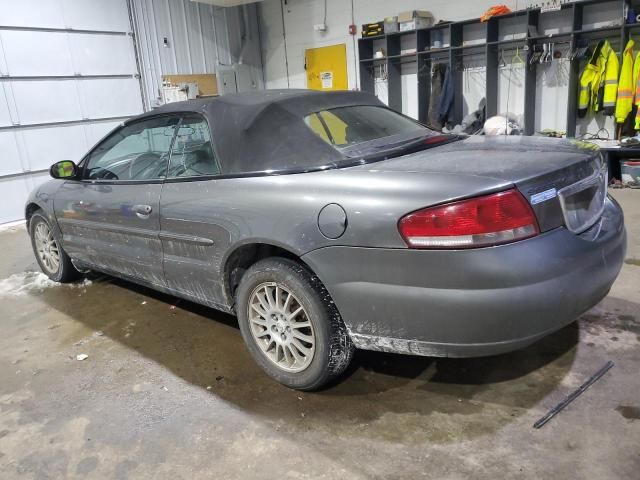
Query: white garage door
(68, 75)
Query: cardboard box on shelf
(207, 82)
(415, 19)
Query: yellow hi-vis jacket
(636, 77)
(636, 82)
(599, 81)
(626, 86)
(590, 81)
(609, 81)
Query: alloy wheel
(47, 248)
(281, 328)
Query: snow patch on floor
(27, 282)
(12, 226)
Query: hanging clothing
(437, 79)
(626, 87)
(636, 77)
(599, 81)
(448, 94)
(636, 99)
(629, 125)
(609, 81)
(589, 80)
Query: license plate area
(583, 202)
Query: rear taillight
(477, 222)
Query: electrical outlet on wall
(320, 27)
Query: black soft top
(264, 131)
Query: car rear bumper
(468, 303)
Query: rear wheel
(290, 325)
(53, 260)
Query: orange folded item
(494, 11)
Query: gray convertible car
(328, 222)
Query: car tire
(316, 349)
(53, 260)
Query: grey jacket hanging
(438, 71)
(446, 101)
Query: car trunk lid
(564, 181)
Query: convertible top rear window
(344, 127)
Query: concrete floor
(172, 393)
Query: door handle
(142, 211)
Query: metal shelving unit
(492, 31)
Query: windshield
(345, 127)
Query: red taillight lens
(477, 222)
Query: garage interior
(103, 378)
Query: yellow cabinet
(327, 67)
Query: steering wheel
(107, 175)
(141, 164)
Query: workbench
(613, 153)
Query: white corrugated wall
(68, 75)
(190, 40)
(199, 39)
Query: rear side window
(346, 126)
(192, 154)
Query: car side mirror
(64, 169)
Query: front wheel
(290, 325)
(53, 260)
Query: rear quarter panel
(283, 211)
